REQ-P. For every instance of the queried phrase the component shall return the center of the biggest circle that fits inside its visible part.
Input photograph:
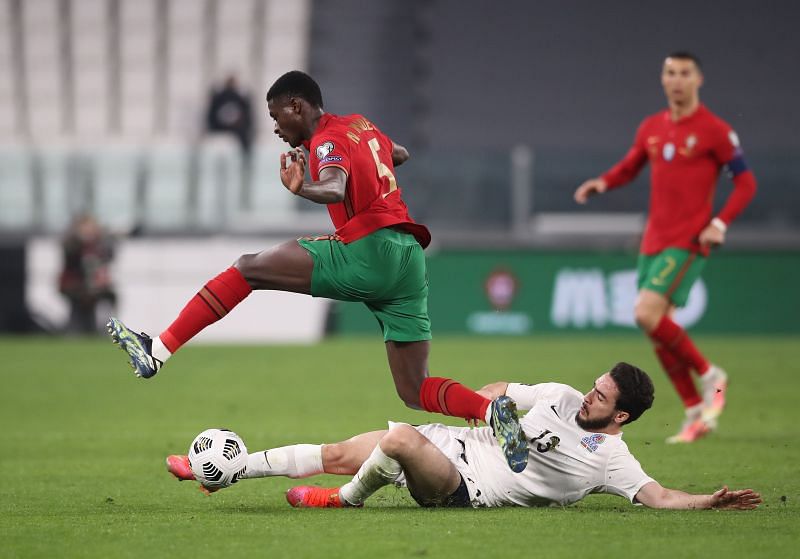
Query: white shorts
(447, 440)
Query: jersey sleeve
(726, 144)
(526, 395)
(331, 149)
(728, 152)
(630, 165)
(624, 476)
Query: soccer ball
(218, 458)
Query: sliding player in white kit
(575, 449)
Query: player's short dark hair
(685, 55)
(636, 391)
(296, 84)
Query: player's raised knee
(400, 441)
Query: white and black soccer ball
(218, 458)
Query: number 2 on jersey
(383, 169)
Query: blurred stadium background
(506, 108)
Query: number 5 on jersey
(383, 169)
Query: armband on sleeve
(737, 165)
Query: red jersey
(685, 159)
(372, 198)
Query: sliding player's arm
(494, 390)
(525, 395)
(655, 496)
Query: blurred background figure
(229, 111)
(85, 280)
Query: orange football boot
(315, 497)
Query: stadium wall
(155, 277)
(524, 292)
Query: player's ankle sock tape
(448, 397)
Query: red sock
(675, 338)
(448, 397)
(211, 303)
(680, 375)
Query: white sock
(159, 350)
(694, 412)
(376, 471)
(295, 461)
(712, 376)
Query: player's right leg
(408, 363)
(285, 267)
(296, 461)
(715, 387)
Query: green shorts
(671, 272)
(385, 270)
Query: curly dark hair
(636, 391)
(296, 84)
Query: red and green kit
(686, 157)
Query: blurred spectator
(86, 277)
(229, 112)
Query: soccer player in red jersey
(686, 146)
(375, 256)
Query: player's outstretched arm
(588, 188)
(399, 154)
(655, 496)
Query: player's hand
(588, 188)
(711, 236)
(743, 499)
(293, 170)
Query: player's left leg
(430, 475)
(285, 267)
(408, 362)
(665, 281)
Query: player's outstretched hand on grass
(292, 176)
(589, 187)
(743, 499)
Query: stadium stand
(101, 110)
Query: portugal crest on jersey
(668, 152)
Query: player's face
(681, 79)
(599, 404)
(285, 112)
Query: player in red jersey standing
(686, 145)
(375, 256)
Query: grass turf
(84, 443)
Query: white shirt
(565, 463)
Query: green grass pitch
(84, 441)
